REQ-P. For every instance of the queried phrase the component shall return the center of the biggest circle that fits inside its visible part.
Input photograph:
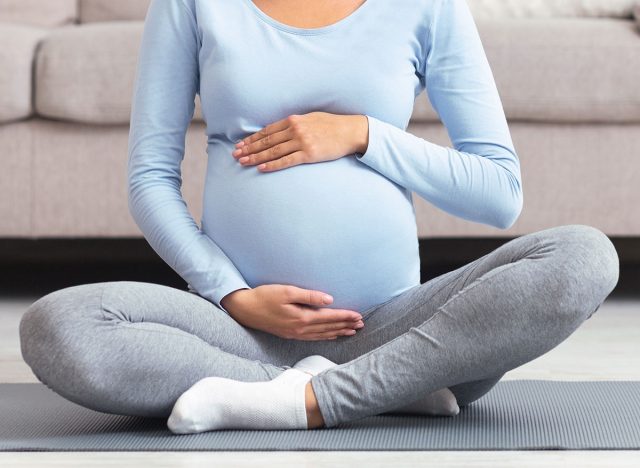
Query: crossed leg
(133, 348)
(472, 325)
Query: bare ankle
(314, 417)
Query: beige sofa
(569, 88)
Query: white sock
(216, 403)
(439, 403)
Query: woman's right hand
(291, 312)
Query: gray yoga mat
(514, 415)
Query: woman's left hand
(302, 139)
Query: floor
(606, 347)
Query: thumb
(311, 296)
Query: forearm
(478, 178)
(482, 186)
(160, 212)
(167, 81)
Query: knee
(40, 326)
(586, 267)
(593, 257)
(47, 327)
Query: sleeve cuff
(219, 293)
(374, 133)
(216, 296)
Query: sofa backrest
(46, 13)
(52, 13)
(552, 8)
(91, 11)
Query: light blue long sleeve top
(345, 227)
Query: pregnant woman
(308, 195)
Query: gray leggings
(132, 348)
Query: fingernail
(351, 332)
(326, 298)
(360, 325)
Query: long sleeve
(166, 83)
(479, 178)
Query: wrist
(233, 301)
(360, 133)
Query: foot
(439, 403)
(215, 403)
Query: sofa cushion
(19, 43)
(551, 8)
(562, 69)
(46, 13)
(112, 10)
(86, 73)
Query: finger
(290, 160)
(308, 296)
(313, 297)
(330, 326)
(261, 143)
(271, 128)
(326, 315)
(274, 152)
(317, 338)
(330, 335)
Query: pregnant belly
(339, 227)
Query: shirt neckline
(307, 31)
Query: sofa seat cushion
(86, 73)
(562, 69)
(112, 10)
(46, 13)
(19, 44)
